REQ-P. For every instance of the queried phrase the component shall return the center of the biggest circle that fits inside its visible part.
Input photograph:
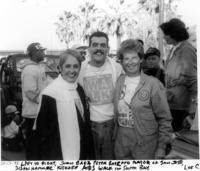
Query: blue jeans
(103, 142)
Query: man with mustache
(98, 77)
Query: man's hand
(160, 153)
(17, 119)
(187, 122)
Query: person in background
(142, 115)
(152, 66)
(33, 80)
(98, 77)
(191, 122)
(11, 133)
(82, 50)
(181, 72)
(141, 42)
(63, 125)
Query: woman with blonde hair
(63, 126)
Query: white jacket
(34, 80)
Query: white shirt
(10, 131)
(33, 79)
(173, 50)
(99, 87)
(125, 117)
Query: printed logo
(125, 115)
(122, 94)
(99, 89)
(143, 95)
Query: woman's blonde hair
(66, 54)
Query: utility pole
(161, 20)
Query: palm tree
(76, 26)
(66, 27)
(153, 18)
(118, 20)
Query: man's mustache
(98, 51)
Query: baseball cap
(11, 109)
(152, 51)
(34, 47)
(79, 46)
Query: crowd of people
(99, 109)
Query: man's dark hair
(176, 29)
(98, 34)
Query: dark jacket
(156, 72)
(49, 144)
(181, 78)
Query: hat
(152, 51)
(79, 46)
(11, 109)
(34, 47)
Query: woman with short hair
(181, 72)
(143, 119)
(63, 126)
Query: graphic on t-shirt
(125, 115)
(99, 89)
(123, 91)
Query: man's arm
(30, 86)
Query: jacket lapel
(141, 83)
(168, 57)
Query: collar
(68, 85)
(143, 78)
(176, 46)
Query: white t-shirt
(33, 79)
(125, 117)
(99, 87)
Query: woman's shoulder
(80, 90)
(187, 46)
(79, 87)
(52, 89)
(153, 81)
(121, 77)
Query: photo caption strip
(93, 165)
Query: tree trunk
(161, 20)
(118, 37)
